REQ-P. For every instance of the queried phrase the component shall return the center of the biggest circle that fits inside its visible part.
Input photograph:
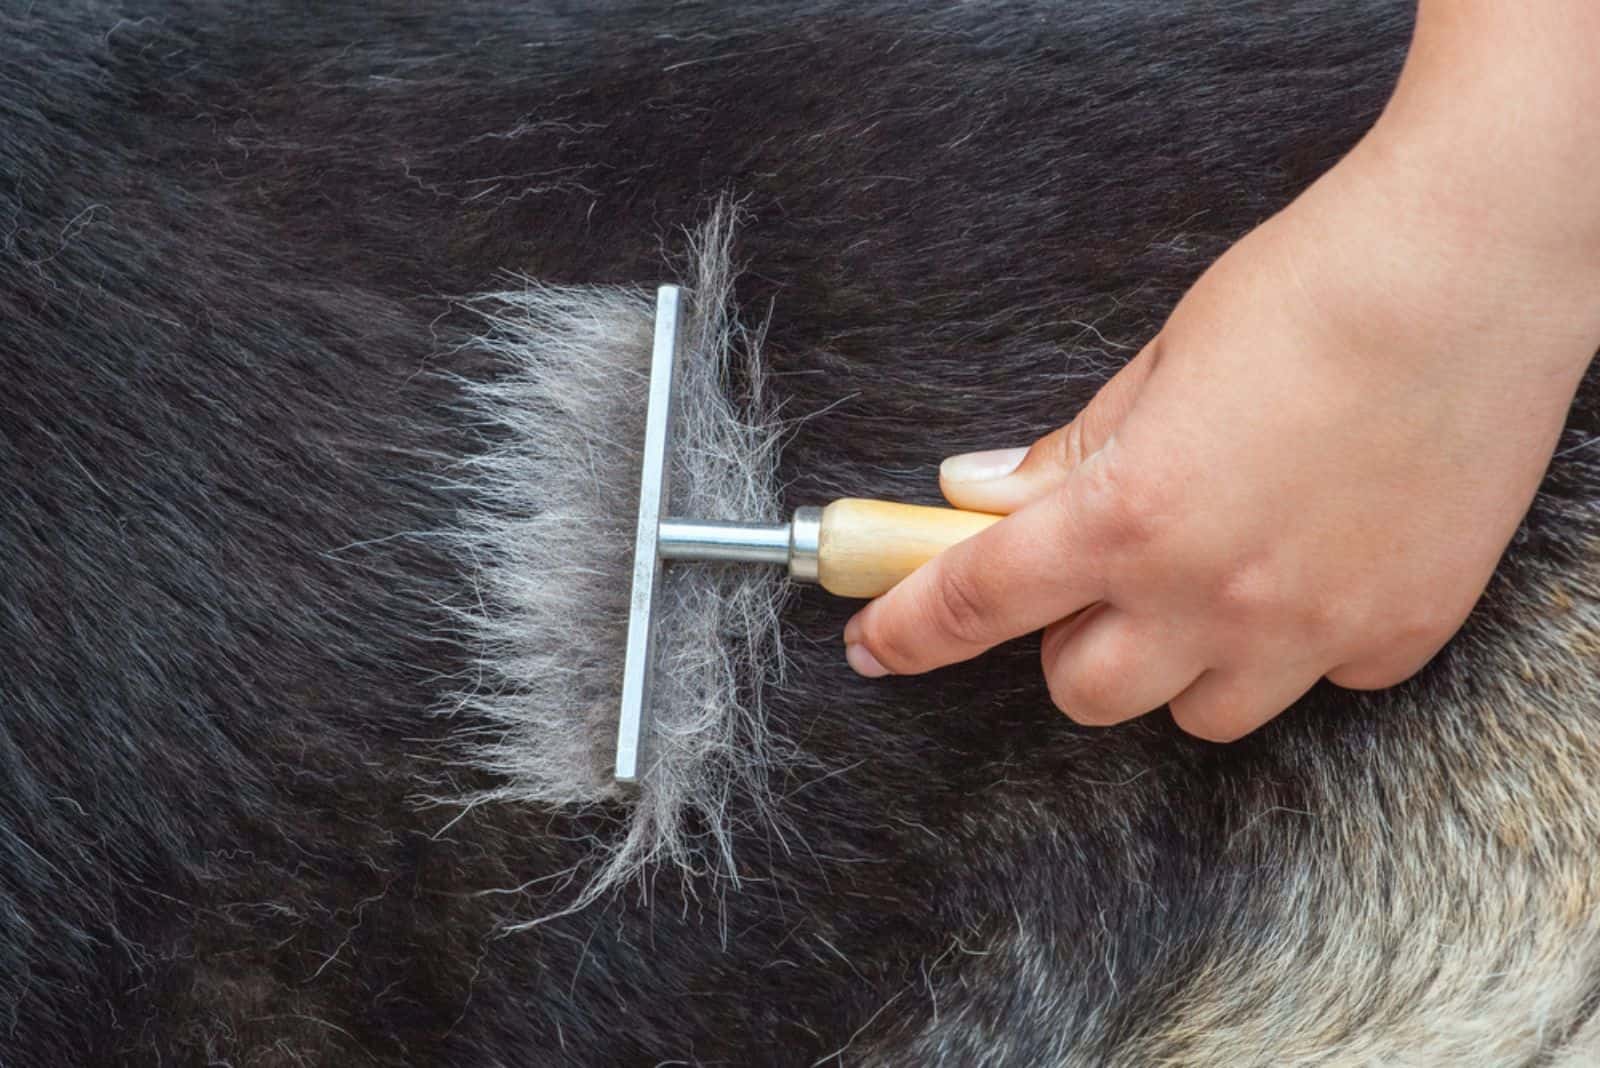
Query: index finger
(1031, 568)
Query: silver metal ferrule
(805, 544)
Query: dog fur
(239, 364)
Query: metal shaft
(793, 545)
(712, 539)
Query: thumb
(1003, 480)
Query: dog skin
(233, 342)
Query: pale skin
(1312, 471)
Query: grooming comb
(852, 547)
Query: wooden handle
(865, 547)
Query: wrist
(1493, 132)
(1519, 196)
(1434, 262)
(1489, 222)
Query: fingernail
(863, 662)
(982, 466)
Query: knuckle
(1207, 720)
(1362, 676)
(1427, 623)
(1387, 666)
(1073, 449)
(959, 606)
(1058, 451)
(1395, 638)
(1090, 697)
(1266, 600)
(1129, 511)
(892, 647)
(1319, 616)
(1254, 593)
(1070, 699)
(1155, 351)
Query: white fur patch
(550, 538)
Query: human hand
(1311, 472)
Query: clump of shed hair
(550, 538)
